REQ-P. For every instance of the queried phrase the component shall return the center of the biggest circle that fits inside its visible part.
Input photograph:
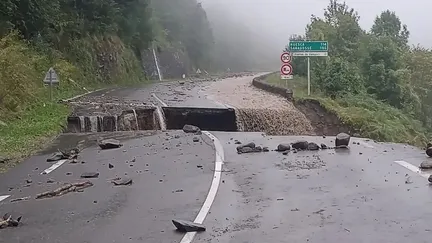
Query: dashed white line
(53, 167)
(413, 168)
(219, 158)
(157, 98)
(4, 197)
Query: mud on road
(258, 110)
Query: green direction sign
(309, 48)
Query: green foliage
(339, 77)
(389, 24)
(375, 81)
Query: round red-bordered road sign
(286, 69)
(286, 57)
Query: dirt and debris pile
(8, 221)
(273, 121)
(258, 110)
(250, 148)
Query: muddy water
(257, 110)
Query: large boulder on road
(300, 145)
(342, 140)
(283, 147)
(191, 129)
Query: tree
(383, 70)
(339, 77)
(389, 24)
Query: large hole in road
(270, 121)
(171, 118)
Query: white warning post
(51, 79)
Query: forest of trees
(90, 43)
(371, 66)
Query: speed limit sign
(286, 57)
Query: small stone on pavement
(110, 144)
(188, 226)
(90, 175)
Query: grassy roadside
(28, 118)
(371, 118)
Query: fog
(273, 21)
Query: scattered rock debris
(426, 165)
(266, 149)
(110, 144)
(29, 181)
(122, 181)
(283, 147)
(300, 145)
(237, 142)
(323, 146)
(195, 139)
(110, 165)
(249, 148)
(342, 139)
(56, 157)
(20, 199)
(313, 147)
(70, 187)
(187, 226)
(3, 160)
(429, 151)
(191, 129)
(430, 179)
(408, 179)
(90, 175)
(8, 221)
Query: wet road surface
(355, 195)
(358, 195)
(171, 176)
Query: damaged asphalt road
(329, 195)
(171, 175)
(358, 194)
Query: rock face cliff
(171, 62)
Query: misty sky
(281, 18)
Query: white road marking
(413, 168)
(4, 197)
(157, 98)
(53, 167)
(188, 237)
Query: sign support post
(51, 79)
(50, 84)
(308, 71)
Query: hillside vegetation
(91, 44)
(372, 79)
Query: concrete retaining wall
(260, 83)
(126, 121)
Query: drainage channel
(155, 118)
